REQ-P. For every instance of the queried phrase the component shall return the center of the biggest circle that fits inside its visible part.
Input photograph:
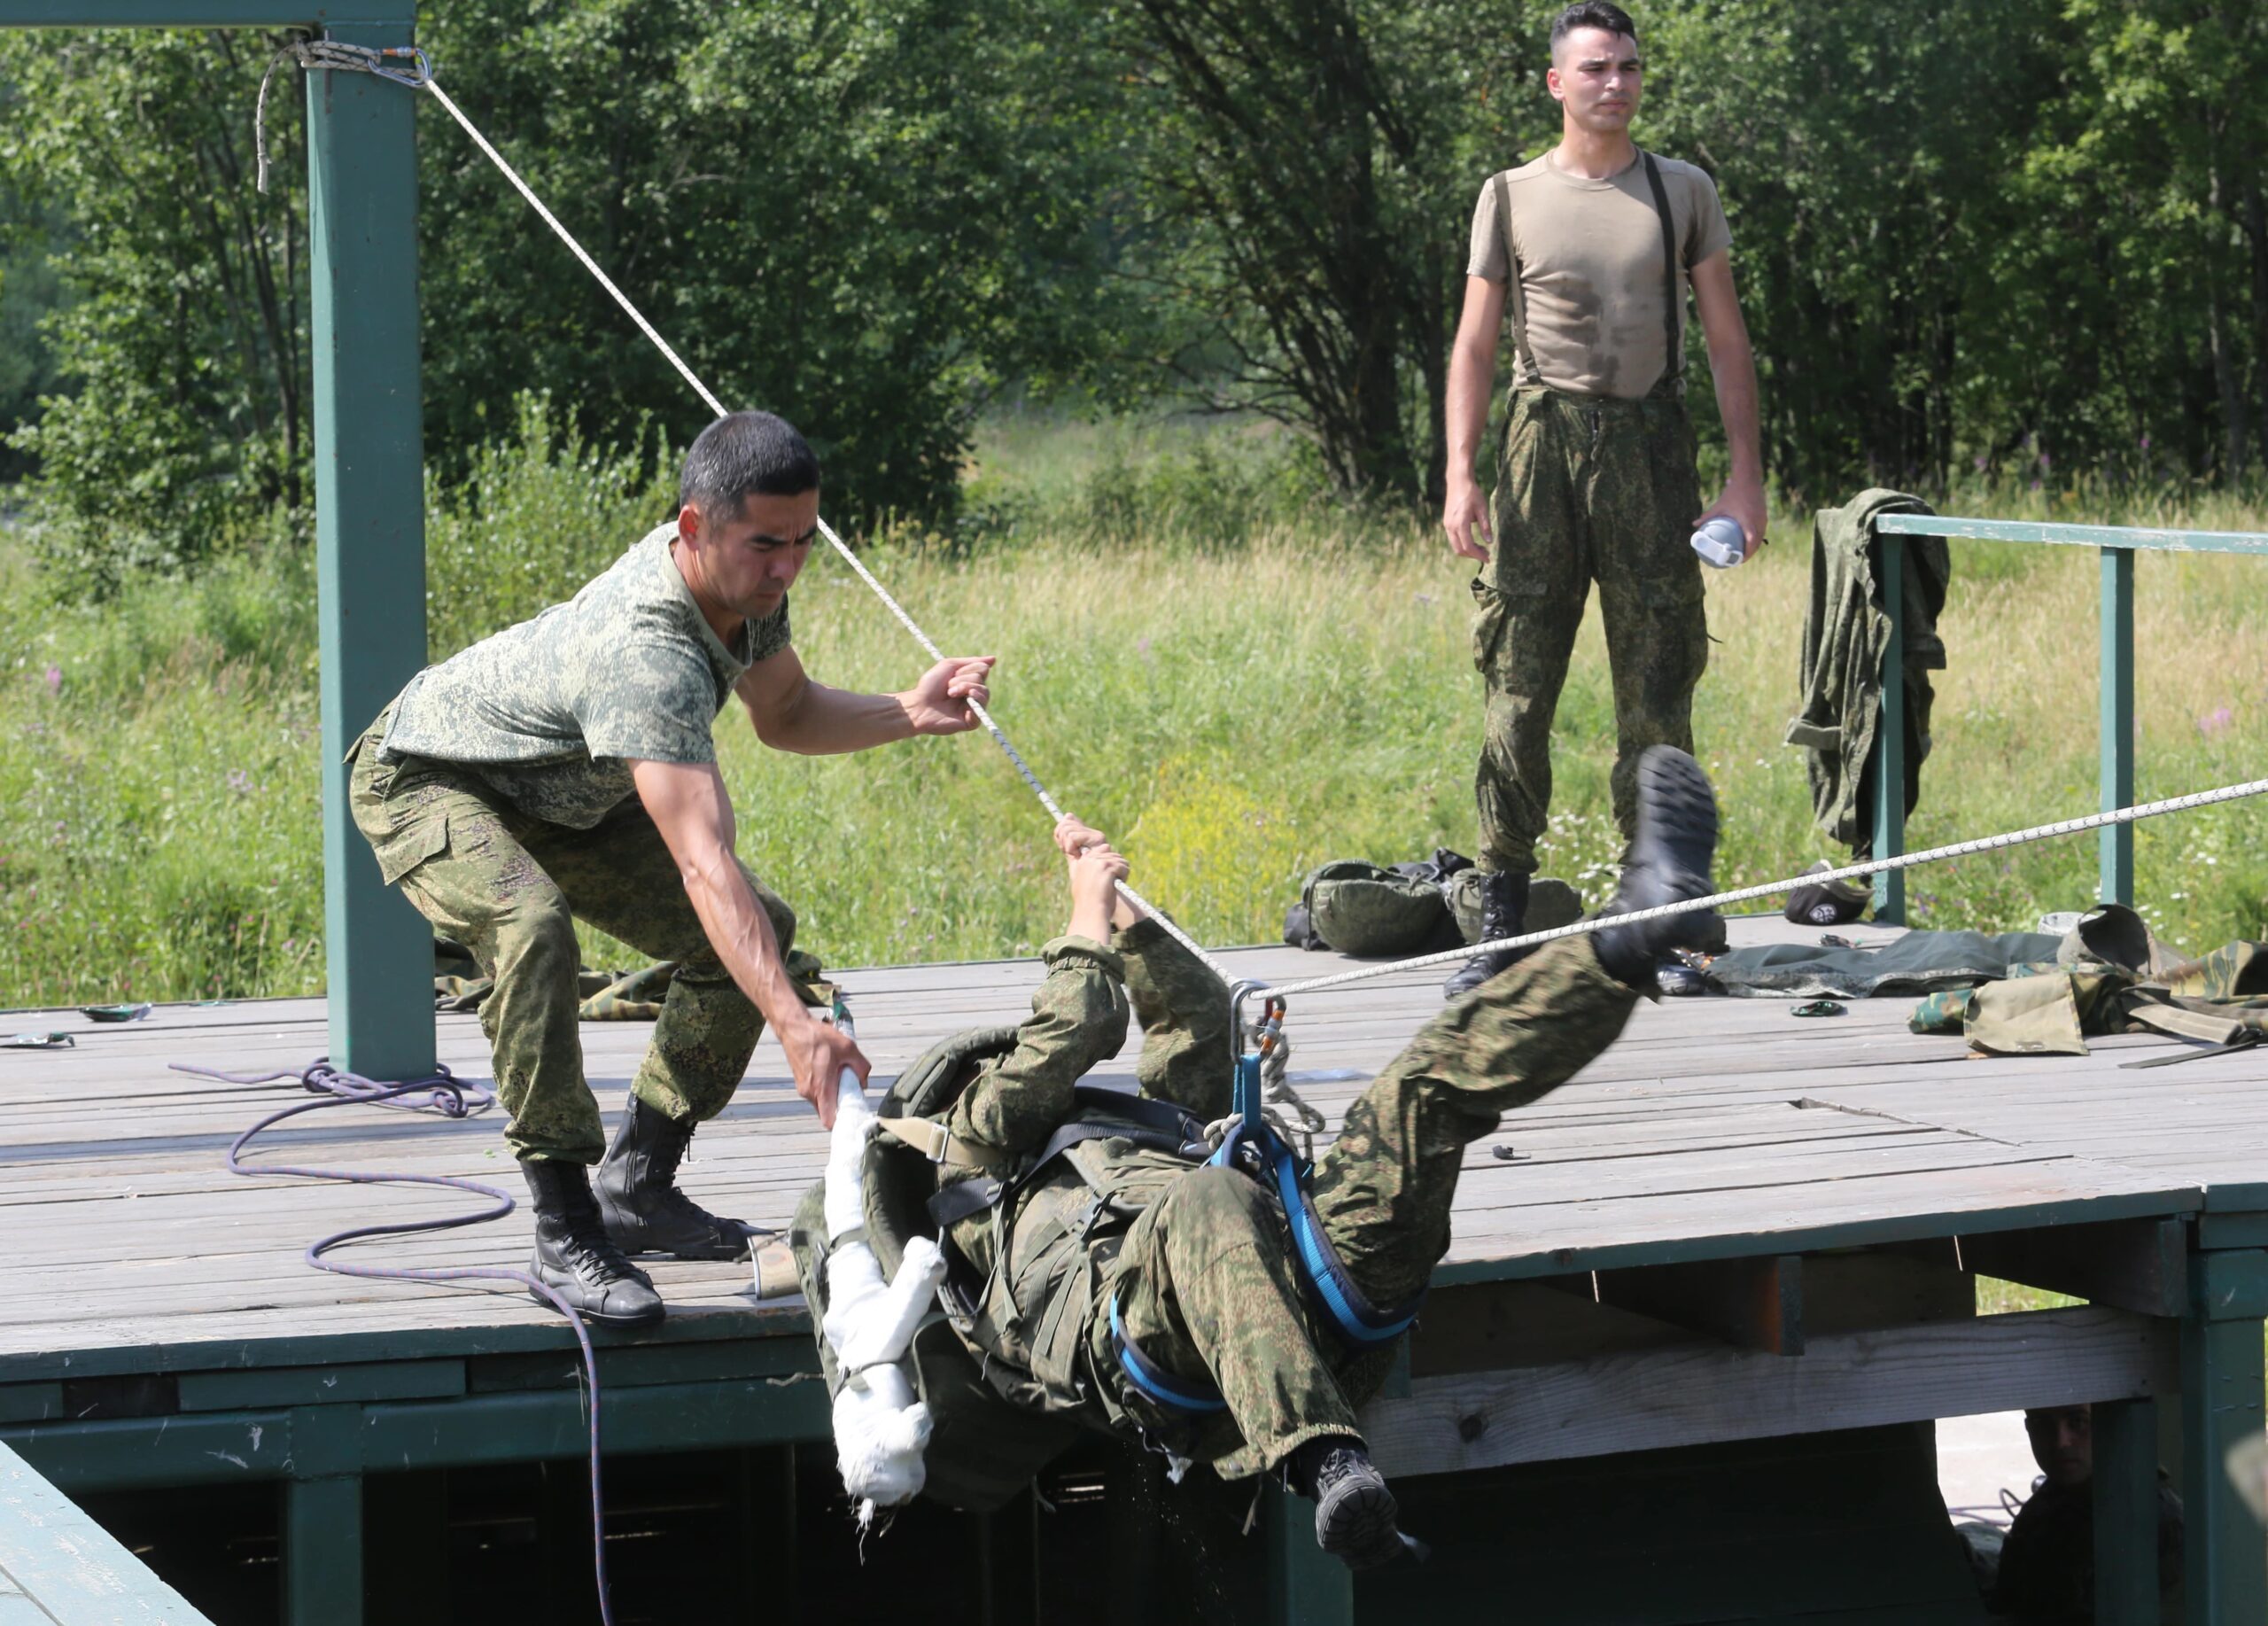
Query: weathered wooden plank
(1702, 1394)
(79, 1574)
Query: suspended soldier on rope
(1111, 1262)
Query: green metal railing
(2117, 545)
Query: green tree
(180, 356)
(1306, 167)
(861, 215)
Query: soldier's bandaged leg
(1384, 1190)
(1207, 1291)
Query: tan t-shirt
(1591, 266)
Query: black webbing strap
(2248, 1039)
(1672, 301)
(1516, 295)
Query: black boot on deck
(1669, 859)
(1353, 1510)
(576, 1259)
(644, 1210)
(1504, 905)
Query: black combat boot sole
(1356, 1524)
(1677, 821)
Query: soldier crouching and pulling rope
(1102, 1272)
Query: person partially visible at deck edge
(565, 770)
(1592, 246)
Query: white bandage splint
(880, 1426)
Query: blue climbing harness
(1254, 1145)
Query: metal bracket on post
(2117, 678)
(1890, 737)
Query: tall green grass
(1234, 702)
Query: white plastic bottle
(1721, 542)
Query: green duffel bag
(1357, 907)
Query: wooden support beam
(1750, 1303)
(2125, 1492)
(1699, 1395)
(2141, 1264)
(1306, 1585)
(370, 529)
(322, 1551)
(1486, 1326)
(232, 1447)
(1859, 1292)
(2227, 1583)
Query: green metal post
(2117, 680)
(2125, 1492)
(1890, 738)
(1306, 1585)
(323, 1519)
(369, 528)
(2221, 1381)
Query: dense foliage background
(2014, 237)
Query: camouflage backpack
(1358, 907)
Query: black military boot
(644, 1210)
(1669, 859)
(1504, 905)
(1355, 1511)
(576, 1259)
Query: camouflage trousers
(1586, 489)
(509, 888)
(1205, 1281)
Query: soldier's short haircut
(1591, 14)
(745, 454)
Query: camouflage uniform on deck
(496, 792)
(1199, 1261)
(1594, 489)
(1594, 480)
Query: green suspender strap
(1675, 374)
(1516, 295)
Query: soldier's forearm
(1733, 370)
(1467, 407)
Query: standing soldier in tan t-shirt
(1595, 243)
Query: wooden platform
(1760, 1223)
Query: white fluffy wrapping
(881, 1428)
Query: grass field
(1235, 682)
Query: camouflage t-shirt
(552, 712)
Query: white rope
(323, 53)
(1776, 888)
